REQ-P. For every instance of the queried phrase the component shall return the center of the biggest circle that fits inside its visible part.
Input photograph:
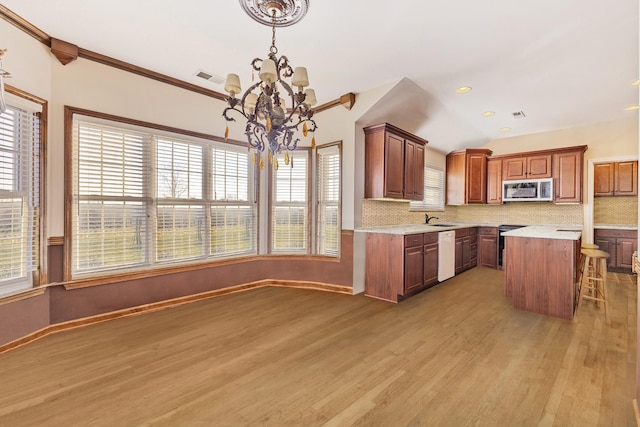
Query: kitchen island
(541, 269)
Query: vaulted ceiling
(563, 63)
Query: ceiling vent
(519, 115)
(209, 76)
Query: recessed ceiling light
(632, 108)
(505, 129)
(636, 83)
(488, 113)
(464, 89)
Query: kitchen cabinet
(413, 263)
(616, 179)
(466, 247)
(527, 167)
(398, 266)
(394, 163)
(488, 247)
(430, 264)
(467, 176)
(494, 181)
(620, 245)
(567, 176)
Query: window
(144, 198)
(433, 191)
(328, 186)
(19, 197)
(290, 204)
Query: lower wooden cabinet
(488, 247)
(466, 248)
(430, 265)
(398, 266)
(620, 245)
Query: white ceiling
(565, 63)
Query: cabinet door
(489, 251)
(394, 166)
(466, 252)
(539, 166)
(626, 178)
(607, 244)
(459, 255)
(624, 252)
(494, 181)
(514, 168)
(418, 175)
(603, 179)
(430, 264)
(476, 178)
(413, 265)
(568, 177)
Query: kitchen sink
(443, 225)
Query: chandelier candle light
(269, 123)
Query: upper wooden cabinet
(394, 163)
(567, 176)
(467, 176)
(527, 167)
(494, 181)
(616, 179)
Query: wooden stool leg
(603, 274)
(583, 280)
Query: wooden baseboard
(636, 411)
(161, 305)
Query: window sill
(22, 294)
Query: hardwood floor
(455, 355)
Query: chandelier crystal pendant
(270, 124)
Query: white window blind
(180, 216)
(328, 192)
(111, 198)
(233, 209)
(141, 198)
(19, 198)
(433, 191)
(290, 205)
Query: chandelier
(273, 108)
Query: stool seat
(590, 246)
(593, 278)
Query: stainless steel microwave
(528, 190)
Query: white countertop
(560, 232)
(423, 228)
(616, 226)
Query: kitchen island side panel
(541, 275)
(384, 273)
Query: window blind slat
(328, 190)
(290, 211)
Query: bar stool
(594, 278)
(582, 265)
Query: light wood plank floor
(455, 355)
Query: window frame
(308, 203)
(318, 199)
(207, 142)
(39, 275)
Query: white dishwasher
(446, 255)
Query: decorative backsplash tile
(385, 212)
(615, 210)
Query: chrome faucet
(428, 218)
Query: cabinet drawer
(488, 231)
(430, 238)
(609, 232)
(462, 232)
(413, 240)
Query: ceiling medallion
(287, 12)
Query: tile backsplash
(615, 210)
(396, 212)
